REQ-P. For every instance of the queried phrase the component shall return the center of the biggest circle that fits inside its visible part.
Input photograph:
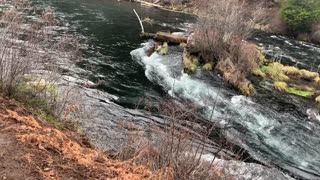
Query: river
(272, 126)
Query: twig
(142, 28)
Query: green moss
(264, 68)
(55, 122)
(164, 49)
(299, 92)
(207, 67)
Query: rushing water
(272, 126)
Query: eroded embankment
(33, 149)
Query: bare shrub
(221, 30)
(174, 148)
(33, 56)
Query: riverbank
(188, 8)
(270, 20)
(31, 148)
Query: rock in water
(313, 114)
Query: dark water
(272, 126)
(112, 31)
(289, 51)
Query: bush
(26, 48)
(300, 15)
(31, 56)
(177, 148)
(219, 37)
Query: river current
(272, 126)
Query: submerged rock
(313, 115)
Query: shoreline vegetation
(299, 82)
(302, 24)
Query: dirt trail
(34, 149)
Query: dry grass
(280, 86)
(258, 72)
(274, 71)
(47, 153)
(173, 147)
(32, 56)
(291, 70)
(220, 35)
(29, 47)
(317, 81)
(308, 75)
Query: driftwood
(171, 38)
(142, 28)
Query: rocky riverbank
(31, 148)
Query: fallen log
(171, 38)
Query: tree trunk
(171, 38)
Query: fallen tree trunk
(171, 38)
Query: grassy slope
(34, 149)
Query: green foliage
(299, 15)
(56, 123)
(38, 97)
(274, 72)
